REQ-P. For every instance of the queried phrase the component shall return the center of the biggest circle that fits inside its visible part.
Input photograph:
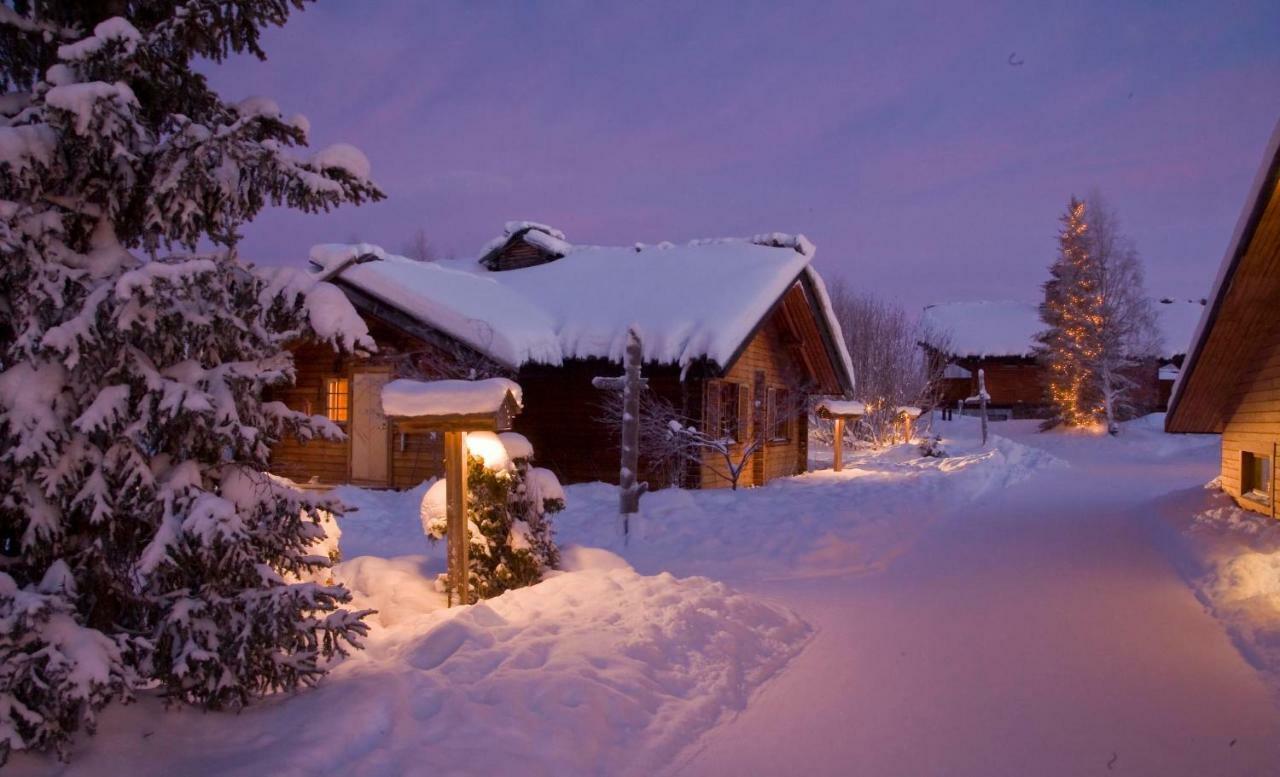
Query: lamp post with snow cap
(839, 411)
(453, 407)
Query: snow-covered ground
(1007, 610)
(1231, 557)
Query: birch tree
(893, 368)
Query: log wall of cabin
(770, 354)
(561, 418)
(1254, 427)
(1013, 381)
(413, 458)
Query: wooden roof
(1243, 315)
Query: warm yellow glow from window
(337, 399)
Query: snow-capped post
(908, 415)
(839, 411)
(981, 398)
(453, 407)
(630, 384)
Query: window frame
(776, 399)
(720, 395)
(343, 392)
(1249, 489)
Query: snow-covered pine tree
(509, 507)
(142, 540)
(1069, 345)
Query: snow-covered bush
(145, 544)
(509, 507)
(931, 447)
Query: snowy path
(1036, 631)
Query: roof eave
(1260, 193)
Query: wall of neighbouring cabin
(1014, 382)
(1018, 383)
(768, 361)
(1254, 428)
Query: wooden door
(370, 435)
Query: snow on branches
(145, 543)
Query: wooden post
(630, 384)
(455, 475)
(839, 445)
(982, 403)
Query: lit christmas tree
(1071, 311)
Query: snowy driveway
(1036, 631)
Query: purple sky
(896, 136)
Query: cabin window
(725, 405)
(337, 399)
(779, 414)
(1255, 477)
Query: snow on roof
(1177, 319)
(986, 328)
(447, 397)
(701, 299)
(1009, 328)
(844, 407)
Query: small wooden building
(1231, 381)
(736, 334)
(999, 338)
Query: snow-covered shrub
(509, 509)
(931, 447)
(144, 543)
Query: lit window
(337, 399)
(1255, 477)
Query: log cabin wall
(1253, 429)
(1016, 382)
(412, 458)
(562, 418)
(767, 363)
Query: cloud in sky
(896, 135)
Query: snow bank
(403, 397)
(1231, 558)
(598, 670)
(814, 525)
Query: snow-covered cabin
(999, 337)
(1230, 383)
(735, 333)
